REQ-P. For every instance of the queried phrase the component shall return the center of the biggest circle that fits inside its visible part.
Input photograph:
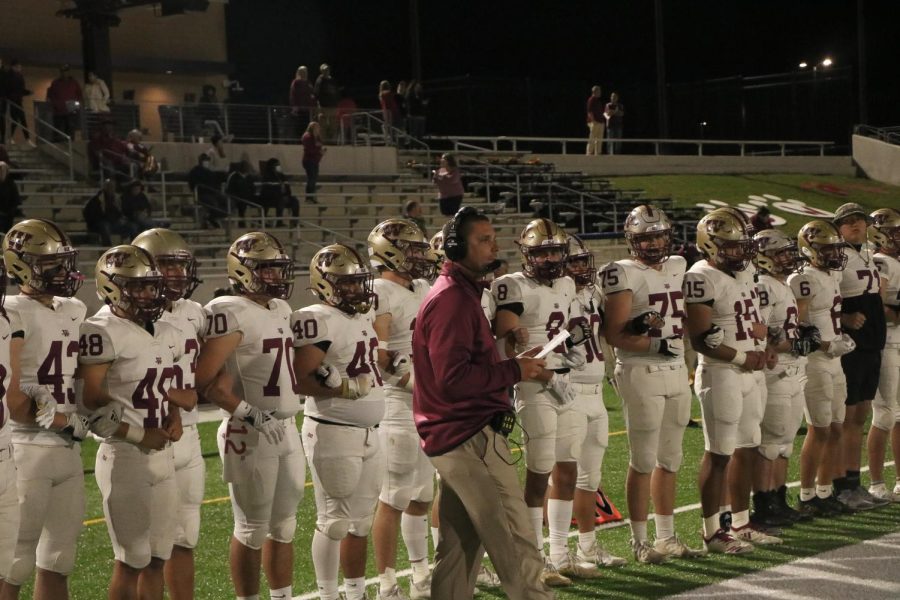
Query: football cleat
(750, 534)
(598, 555)
(487, 578)
(551, 576)
(645, 553)
(570, 566)
(865, 495)
(395, 593)
(673, 547)
(723, 543)
(854, 501)
(837, 507)
(420, 590)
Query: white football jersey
(263, 362)
(545, 308)
(735, 307)
(860, 276)
(488, 304)
(190, 319)
(586, 309)
(5, 372)
(650, 290)
(778, 308)
(49, 356)
(402, 304)
(142, 364)
(823, 290)
(351, 347)
(889, 268)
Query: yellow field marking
(99, 520)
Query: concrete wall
(673, 165)
(338, 160)
(878, 160)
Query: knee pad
(786, 451)
(882, 417)
(670, 462)
(282, 530)
(250, 534)
(187, 532)
(589, 480)
(361, 527)
(335, 529)
(769, 451)
(643, 460)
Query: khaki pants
(482, 504)
(595, 140)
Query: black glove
(641, 323)
(578, 335)
(810, 332)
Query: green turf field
(822, 191)
(94, 562)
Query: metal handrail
(391, 133)
(67, 139)
(513, 142)
(228, 197)
(890, 135)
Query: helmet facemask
(580, 267)
(55, 275)
(352, 293)
(419, 262)
(733, 255)
(651, 248)
(180, 275)
(546, 262)
(830, 256)
(141, 298)
(280, 286)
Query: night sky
(535, 61)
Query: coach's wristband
(739, 358)
(135, 434)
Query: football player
(863, 319)
(721, 299)
(533, 307)
(9, 500)
(644, 322)
(817, 290)
(886, 406)
(127, 359)
(45, 319)
(337, 365)
(246, 369)
(399, 251)
(775, 258)
(179, 269)
(587, 383)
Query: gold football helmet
(648, 234)
(250, 255)
(723, 240)
(544, 246)
(580, 263)
(776, 253)
(128, 280)
(340, 277)
(822, 245)
(399, 245)
(437, 250)
(172, 255)
(40, 255)
(887, 222)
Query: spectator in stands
(596, 121)
(390, 111)
(217, 153)
(143, 161)
(313, 151)
(402, 109)
(241, 186)
(15, 96)
(137, 209)
(10, 201)
(103, 215)
(108, 152)
(96, 94)
(448, 180)
(65, 98)
(302, 99)
(210, 110)
(328, 94)
(615, 118)
(207, 187)
(762, 219)
(416, 109)
(275, 191)
(412, 211)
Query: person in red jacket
(313, 151)
(64, 96)
(463, 415)
(302, 99)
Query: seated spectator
(241, 186)
(207, 187)
(137, 209)
(216, 152)
(276, 192)
(144, 163)
(103, 215)
(412, 211)
(108, 152)
(10, 201)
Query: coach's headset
(454, 244)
